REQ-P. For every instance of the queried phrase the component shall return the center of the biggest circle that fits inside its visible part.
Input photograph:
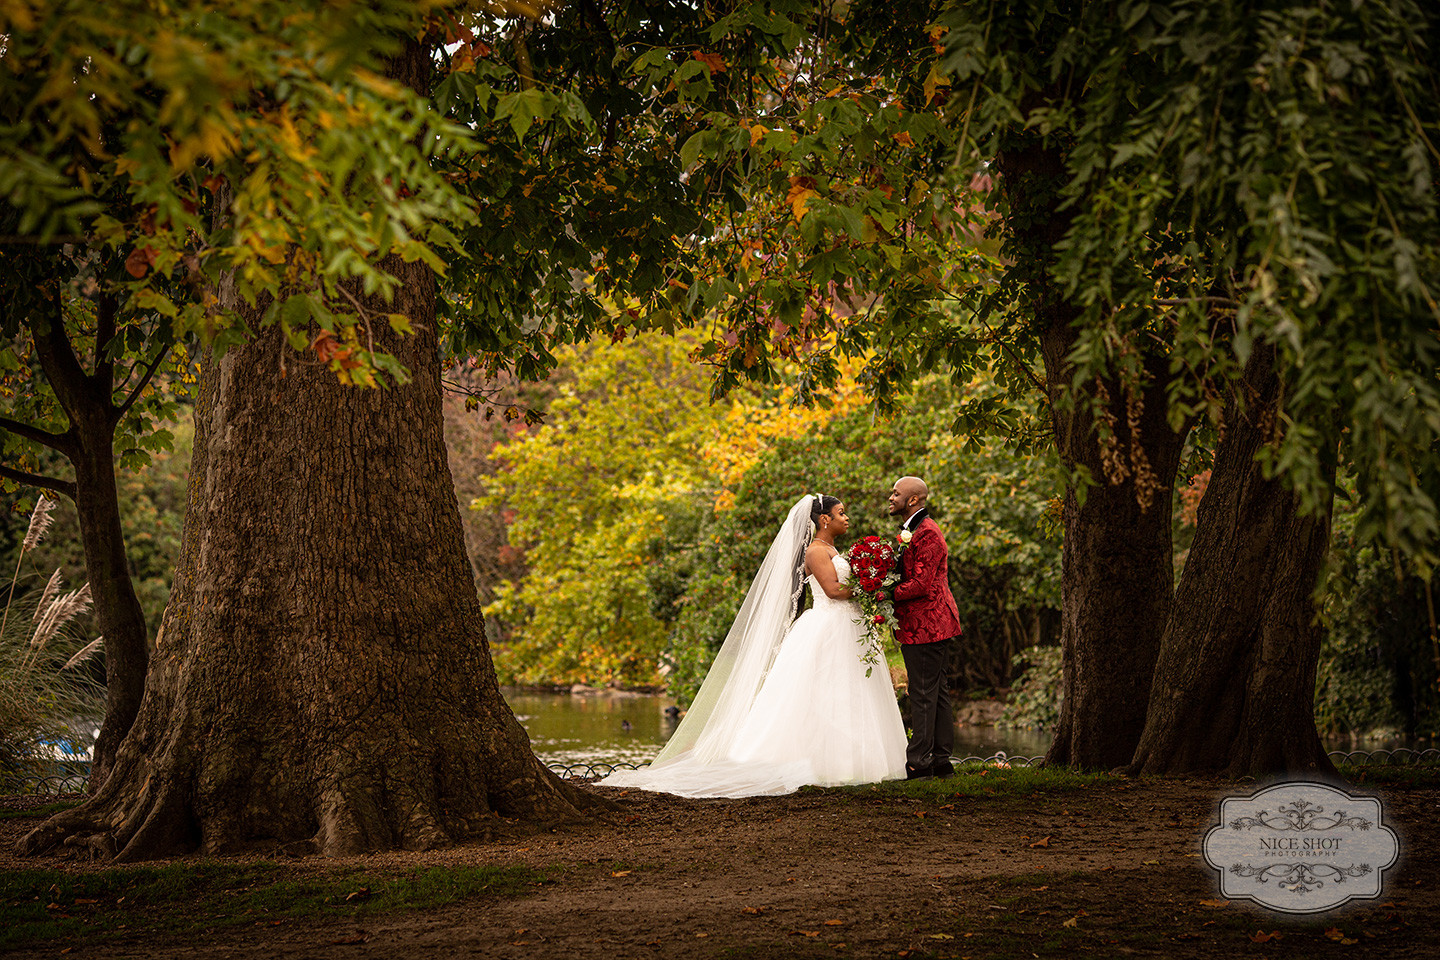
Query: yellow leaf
(904, 139)
(621, 873)
(757, 133)
(799, 198)
(1072, 922)
(933, 81)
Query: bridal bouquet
(874, 571)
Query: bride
(785, 705)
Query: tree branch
(121, 410)
(57, 358)
(59, 442)
(64, 487)
(104, 367)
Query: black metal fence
(72, 777)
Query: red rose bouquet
(874, 571)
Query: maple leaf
(802, 191)
(325, 346)
(713, 61)
(904, 139)
(757, 133)
(140, 261)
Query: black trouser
(932, 724)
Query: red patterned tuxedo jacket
(923, 602)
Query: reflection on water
(609, 728)
(593, 728)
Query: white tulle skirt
(817, 719)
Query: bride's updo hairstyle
(820, 505)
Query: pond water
(610, 727)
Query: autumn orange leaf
(140, 261)
(1260, 936)
(904, 139)
(1042, 842)
(621, 873)
(325, 346)
(1214, 904)
(713, 61)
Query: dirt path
(1108, 870)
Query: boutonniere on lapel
(905, 537)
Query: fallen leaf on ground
(753, 911)
(1038, 889)
(1260, 936)
(1214, 903)
(941, 936)
(1334, 933)
(702, 934)
(804, 933)
(1072, 922)
(362, 894)
(834, 923)
(621, 873)
(1042, 842)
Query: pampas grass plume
(86, 652)
(61, 611)
(40, 521)
(50, 590)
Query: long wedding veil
(711, 723)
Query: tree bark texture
(322, 673)
(1116, 564)
(321, 677)
(1117, 580)
(1234, 686)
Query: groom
(928, 619)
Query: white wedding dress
(815, 718)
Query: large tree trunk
(1234, 686)
(1117, 580)
(322, 673)
(1117, 568)
(322, 676)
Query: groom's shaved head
(909, 487)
